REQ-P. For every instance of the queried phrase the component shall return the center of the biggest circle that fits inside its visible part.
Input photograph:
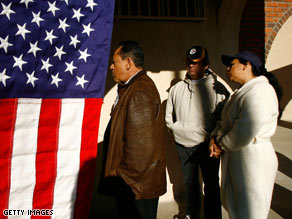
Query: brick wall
(260, 22)
(276, 13)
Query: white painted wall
(280, 54)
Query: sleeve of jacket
(169, 110)
(258, 109)
(140, 136)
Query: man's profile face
(196, 70)
(119, 68)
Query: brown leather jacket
(136, 150)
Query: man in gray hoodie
(193, 107)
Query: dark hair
(271, 77)
(206, 58)
(132, 49)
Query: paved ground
(104, 207)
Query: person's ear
(129, 62)
(206, 67)
(247, 66)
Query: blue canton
(54, 49)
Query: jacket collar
(139, 74)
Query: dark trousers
(191, 159)
(130, 208)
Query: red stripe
(8, 108)
(46, 158)
(87, 157)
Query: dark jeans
(130, 208)
(191, 159)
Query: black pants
(191, 159)
(130, 208)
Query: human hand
(215, 149)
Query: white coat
(249, 164)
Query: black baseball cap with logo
(198, 53)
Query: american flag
(53, 64)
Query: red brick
(269, 19)
(283, 5)
(272, 4)
(269, 14)
(269, 9)
(279, 9)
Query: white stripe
(68, 158)
(24, 155)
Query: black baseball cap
(246, 55)
(198, 53)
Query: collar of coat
(121, 86)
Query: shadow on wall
(174, 169)
(284, 78)
(281, 201)
(102, 207)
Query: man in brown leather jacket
(134, 139)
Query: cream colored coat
(249, 164)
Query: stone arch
(271, 37)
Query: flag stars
(4, 44)
(59, 52)
(36, 18)
(46, 65)
(81, 81)
(74, 41)
(70, 67)
(4, 77)
(65, 1)
(91, 4)
(77, 14)
(34, 48)
(63, 25)
(52, 8)
(87, 29)
(26, 2)
(22, 30)
(50, 36)
(56, 79)
(31, 78)
(6, 10)
(84, 55)
(18, 62)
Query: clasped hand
(214, 148)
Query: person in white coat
(243, 138)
